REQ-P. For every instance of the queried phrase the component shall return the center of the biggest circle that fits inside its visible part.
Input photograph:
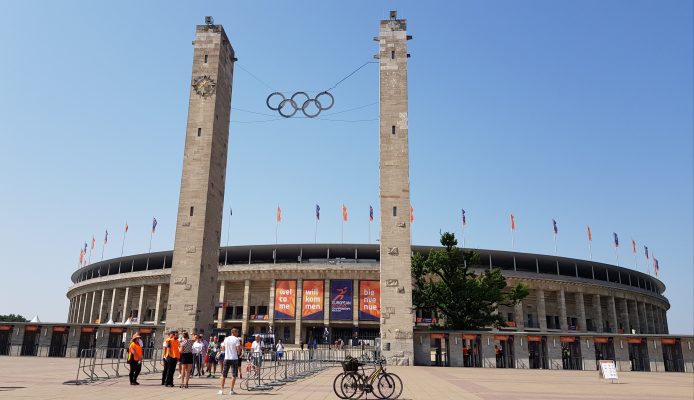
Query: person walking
(197, 356)
(257, 352)
(212, 351)
(186, 348)
(279, 348)
(134, 359)
(171, 355)
(231, 348)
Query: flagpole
(590, 250)
(342, 231)
(513, 239)
(315, 232)
(369, 232)
(90, 252)
(122, 247)
(463, 235)
(228, 230)
(149, 250)
(616, 254)
(555, 244)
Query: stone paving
(42, 378)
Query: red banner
(312, 300)
(534, 338)
(500, 337)
(285, 299)
(567, 339)
(635, 340)
(668, 341)
(469, 337)
(31, 328)
(601, 340)
(5, 327)
(369, 300)
(60, 329)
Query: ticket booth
(114, 347)
(439, 349)
(87, 339)
(471, 350)
(5, 334)
(638, 354)
(58, 345)
(503, 350)
(672, 354)
(537, 352)
(30, 343)
(604, 350)
(571, 353)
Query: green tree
(13, 318)
(443, 280)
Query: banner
(285, 299)
(312, 301)
(341, 304)
(369, 300)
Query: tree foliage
(13, 318)
(443, 280)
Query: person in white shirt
(231, 348)
(280, 350)
(257, 349)
(198, 347)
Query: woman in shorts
(186, 348)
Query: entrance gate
(58, 341)
(537, 352)
(87, 339)
(638, 355)
(471, 351)
(5, 331)
(439, 349)
(30, 343)
(115, 343)
(571, 353)
(604, 350)
(672, 355)
(504, 351)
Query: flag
(106, 237)
(371, 214)
(616, 239)
(590, 236)
(656, 267)
(231, 212)
(81, 255)
(279, 214)
(464, 220)
(126, 227)
(513, 222)
(154, 225)
(317, 212)
(85, 247)
(93, 241)
(645, 248)
(556, 230)
(344, 213)
(633, 245)
(411, 214)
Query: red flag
(633, 245)
(344, 213)
(93, 241)
(126, 227)
(411, 214)
(513, 222)
(279, 214)
(81, 255)
(590, 236)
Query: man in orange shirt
(134, 358)
(171, 355)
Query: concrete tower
(396, 282)
(192, 292)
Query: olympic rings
(287, 107)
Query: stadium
(577, 310)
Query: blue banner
(341, 300)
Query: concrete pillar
(563, 323)
(70, 310)
(297, 312)
(612, 313)
(101, 306)
(541, 311)
(246, 306)
(621, 353)
(157, 305)
(581, 310)
(326, 302)
(633, 315)
(86, 308)
(666, 329)
(222, 309)
(597, 309)
(79, 308)
(140, 312)
(355, 302)
(655, 355)
(658, 321)
(518, 316)
(112, 315)
(91, 309)
(126, 304)
(624, 315)
(271, 303)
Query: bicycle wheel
(336, 386)
(352, 386)
(389, 386)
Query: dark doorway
(604, 350)
(115, 344)
(87, 341)
(471, 351)
(58, 342)
(672, 355)
(30, 343)
(439, 349)
(504, 351)
(638, 355)
(537, 352)
(571, 353)
(5, 340)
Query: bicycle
(354, 383)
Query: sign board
(438, 335)
(312, 300)
(534, 338)
(285, 299)
(60, 329)
(601, 340)
(469, 337)
(668, 341)
(341, 300)
(369, 300)
(500, 337)
(635, 340)
(567, 339)
(5, 327)
(608, 370)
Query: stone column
(246, 306)
(326, 303)
(518, 316)
(297, 310)
(563, 323)
(222, 309)
(271, 304)
(157, 305)
(612, 313)
(91, 309)
(71, 310)
(597, 308)
(140, 313)
(541, 311)
(581, 310)
(112, 314)
(355, 302)
(624, 315)
(643, 317)
(79, 308)
(665, 325)
(126, 304)
(101, 306)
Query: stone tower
(396, 282)
(192, 292)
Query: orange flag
(344, 213)
(411, 214)
(513, 222)
(279, 214)
(590, 236)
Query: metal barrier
(110, 362)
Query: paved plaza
(42, 378)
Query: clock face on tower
(204, 86)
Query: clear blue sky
(577, 111)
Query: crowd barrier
(111, 362)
